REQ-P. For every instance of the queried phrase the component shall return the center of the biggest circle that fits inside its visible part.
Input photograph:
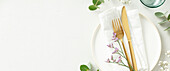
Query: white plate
(151, 39)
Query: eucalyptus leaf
(167, 29)
(97, 2)
(84, 68)
(159, 14)
(93, 7)
(169, 17)
(164, 21)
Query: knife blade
(127, 32)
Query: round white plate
(151, 39)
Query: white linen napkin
(136, 33)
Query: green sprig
(165, 19)
(95, 4)
(86, 68)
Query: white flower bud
(161, 69)
(165, 63)
(168, 53)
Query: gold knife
(127, 31)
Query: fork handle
(132, 55)
(127, 57)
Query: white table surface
(55, 35)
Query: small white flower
(161, 69)
(164, 65)
(160, 63)
(167, 53)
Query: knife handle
(132, 55)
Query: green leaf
(162, 22)
(169, 17)
(93, 7)
(167, 29)
(84, 68)
(97, 2)
(159, 14)
(102, 1)
(97, 69)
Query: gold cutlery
(127, 31)
(117, 28)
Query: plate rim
(97, 29)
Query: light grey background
(55, 35)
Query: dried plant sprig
(119, 52)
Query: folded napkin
(136, 33)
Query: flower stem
(125, 57)
(120, 64)
(120, 47)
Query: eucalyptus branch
(165, 19)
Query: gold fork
(119, 32)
